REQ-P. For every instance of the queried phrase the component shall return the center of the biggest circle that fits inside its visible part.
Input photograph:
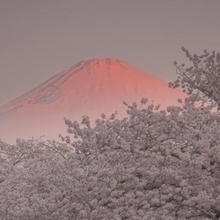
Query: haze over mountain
(89, 88)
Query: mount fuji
(88, 88)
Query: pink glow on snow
(88, 88)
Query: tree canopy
(202, 77)
(153, 164)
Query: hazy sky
(40, 38)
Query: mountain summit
(89, 88)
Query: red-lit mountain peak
(88, 88)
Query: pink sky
(42, 38)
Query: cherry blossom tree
(164, 164)
(152, 164)
(202, 77)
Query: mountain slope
(90, 87)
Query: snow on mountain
(89, 88)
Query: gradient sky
(40, 38)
